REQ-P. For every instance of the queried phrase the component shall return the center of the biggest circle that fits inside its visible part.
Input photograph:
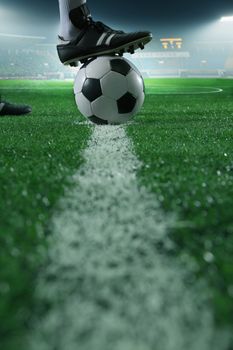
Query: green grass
(37, 154)
(186, 145)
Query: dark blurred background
(190, 37)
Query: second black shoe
(7, 108)
(96, 39)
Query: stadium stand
(39, 62)
(201, 59)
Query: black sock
(80, 16)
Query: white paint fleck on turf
(110, 282)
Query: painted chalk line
(112, 281)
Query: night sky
(161, 15)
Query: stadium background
(167, 57)
(197, 43)
(26, 58)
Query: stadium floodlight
(226, 19)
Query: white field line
(36, 88)
(110, 282)
(211, 90)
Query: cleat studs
(74, 64)
(142, 46)
(131, 50)
(83, 61)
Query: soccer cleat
(7, 108)
(96, 39)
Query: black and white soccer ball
(109, 90)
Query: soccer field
(115, 237)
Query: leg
(69, 28)
(82, 38)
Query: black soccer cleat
(97, 39)
(7, 108)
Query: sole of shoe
(128, 48)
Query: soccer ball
(109, 90)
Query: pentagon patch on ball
(109, 90)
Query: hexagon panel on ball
(109, 90)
